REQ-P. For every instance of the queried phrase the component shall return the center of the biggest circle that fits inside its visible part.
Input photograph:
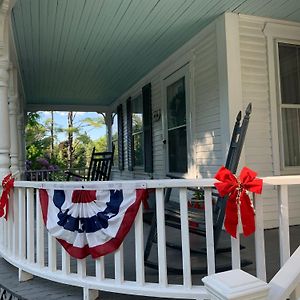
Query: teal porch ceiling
(89, 52)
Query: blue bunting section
(91, 222)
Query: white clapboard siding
(255, 88)
(207, 127)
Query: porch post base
(235, 285)
(89, 294)
(24, 276)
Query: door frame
(183, 71)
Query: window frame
(281, 106)
(183, 71)
(288, 34)
(141, 132)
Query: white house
(182, 68)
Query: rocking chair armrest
(69, 174)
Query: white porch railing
(22, 241)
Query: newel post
(235, 285)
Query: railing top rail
(142, 184)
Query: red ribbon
(238, 200)
(7, 184)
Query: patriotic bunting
(90, 222)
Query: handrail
(23, 235)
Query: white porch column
(4, 120)
(13, 102)
(5, 9)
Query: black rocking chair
(99, 168)
(196, 216)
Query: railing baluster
(81, 267)
(210, 247)
(185, 239)
(30, 225)
(119, 265)
(100, 268)
(259, 239)
(235, 252)
(139, 247)
(52, 264)
(161, 238)
(10, 222)
(65, 261)
(16, 223)
(40, 246)
(284, 232)
(22, 227)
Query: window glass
(289, 56)
(176, 120)
(289, 71)
(137, 131)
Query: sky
(60, 119)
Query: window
(137, 132)
(176, 126)
(289, 74)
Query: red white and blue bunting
(91, 222)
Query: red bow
(238, 199)
(7, 184)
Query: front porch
(38, 288)
(25, 244)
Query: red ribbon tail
(231, 217)
(247, 215)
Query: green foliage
(39, 140)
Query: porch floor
(39, 288)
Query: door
(176, 89)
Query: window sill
(290, 171)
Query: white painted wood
(119, 265)
(65, 261)
(22, 224)
(260, 254)
(185, 238)
(4, 120)
(139, 247)
(52, 264)
(81, 267)
(24, 276)
(287, 278)
(210, 248)
(40, 240)
(284, 232)
(15, 251)
(2, 234)
(235, 285)
(5, 235)
(10, 221)
(235, 252)
(30, 225)
(13, 103)
(161, 238)
(100, 268)
(89, 294)
(230, 83)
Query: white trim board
(274, 33)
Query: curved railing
(25, 244)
